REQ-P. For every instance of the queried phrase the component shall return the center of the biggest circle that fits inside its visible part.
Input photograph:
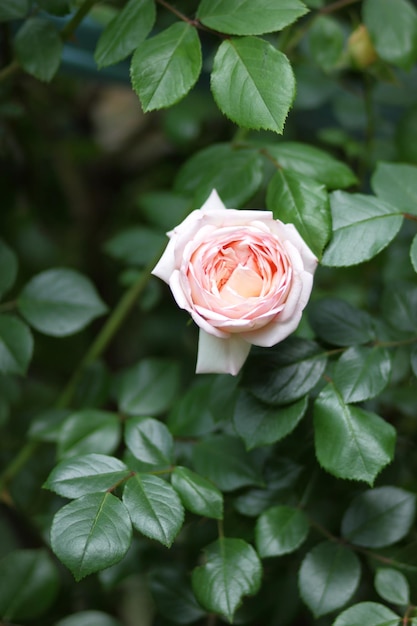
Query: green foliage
(280, 530)
(367, 613)
(38, 48)
(13, 9)
(392, 586)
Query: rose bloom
(243, 276)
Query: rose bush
(243, 276)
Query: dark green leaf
(13, 9)
(326, 42)
(392, 25)
(350, 442)
(280, 530)
(154, 507)
(47, 425)
(88, 618)
(135, 246)
(232, 570)
(396, 183)
(369, 613)
(204, 172)
(399, 307)
(85, 474)
(16, 345)
(29, 584)
(413, 253)
(245, 86)
(413, 360)
(164, 68)
(243, 17)
(362, 373)
(91, 533)
(197, 494)
(191, 415)
(303, 202)
(149, 441)
(392, 586)
(223, 459)
(89, 431)
(60, 302)
(339, 323)
(362, 227)
(260, 424)
(38, 48)
(125, 32)
(286, 373)
(309, 161)
(164, 209)
(149, 387)
(8, 264)
(55, 7)
(328, 577)
(379, 517)
(174, 597)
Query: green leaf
(245, 86)
(60, 302)
(149, 387)
(191, 415)
(413, 253)
(223, 459)
(379, 517)
(326, 42)
(135, 246)
(369, 613)
(399, 305)
(88, 618)
(173, 596)
(91, 533)
(362, 373)
(13, 9)
(232, 570)
(38, 48)
(413, 360)
(154, 507)
(303, 202)
(90, 473)
(125, 32)
(260, 424)
(309, 161)
(16, 345)
(9, 266)
(328, 577)
(392, 25)
(164, 68)
(47, 425)
(29, 584)
(55, 7)
(197, 494)
(204, 171)
(243, 17)
(350, 443)
(396, 183)
(286, 373)
(280, 530)
(339, 323)
(392, 586)
(149, 441)
(88, 431)
(362, 227)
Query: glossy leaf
(197, 494)
(280, 530)
(38, 48)
(339, 323)
(191, 415)
(379, 517)
(392, 586)
(13, 9)
(8, 264)
(328, 577)
(89, 473)
(135, 246)
(91, 533)
(245, 86)
(60, 302)
(242, 17)
(362, 227)
(392, 25)
(16, 345)
(41, 583)
(413, 253)
(165, 67)
(350, 443)
(88, 431)
(301, 201)
(204, 172)
(260, 424)
(396, 183)
(399, 306)
(362, 373)
(231, 571)
(173, 596)
(125, 32)
(309, 161)
(149, 441)
(369, 613)
(154, 507)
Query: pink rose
(243, 276)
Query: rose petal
(220, 356)
(272, 333)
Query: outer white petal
(213, 203)
(220, 356)
(166, 264)
(273, 333)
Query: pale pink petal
(166, 264)
(273, 333)
(213, 203)
(220, 356)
